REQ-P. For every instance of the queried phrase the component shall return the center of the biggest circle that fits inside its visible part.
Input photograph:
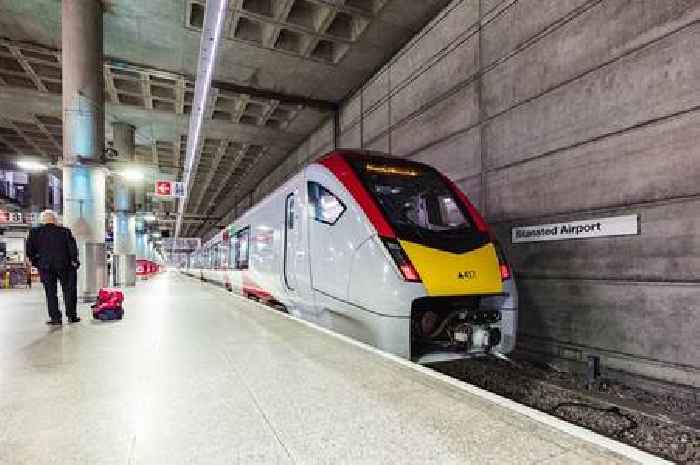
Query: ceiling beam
(229, 173)
(27, 68)
(227, 207)
(28, 141)
(225, 181)
(220, 153)
(284, 99)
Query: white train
(384, 250)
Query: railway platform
(194, 375)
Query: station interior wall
(14, 246)
(559, 110)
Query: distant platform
(194, 375)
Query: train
(385, 250)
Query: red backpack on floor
(108, 305)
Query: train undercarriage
(453, 327)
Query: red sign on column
(164, 188)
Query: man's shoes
(54, 322)
(73, 319)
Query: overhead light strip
(208, 46)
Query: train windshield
(419, 204)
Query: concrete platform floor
(196, 376)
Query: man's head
(48, 217)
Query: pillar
(141, 239)
(124, 227)
(124, 219)
(84, 174)
(38, 193)
(141, 236)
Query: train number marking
(471, 274)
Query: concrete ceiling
(309, 49)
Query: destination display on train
(627, 225)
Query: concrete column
(84, 174)
(140, 197)
(124, 136)
(124, 219)
(38, 193)
(124, 222)
(141, 239)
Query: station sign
(170, 189)
(164, 188)
(627, 225)
(10, 218)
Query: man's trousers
(69, 286)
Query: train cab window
(327, 208)
(419, 204)
(241, 249)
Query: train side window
(215, 257)
(241, 247)
(290, 211)
(232, 251)
(327, 207)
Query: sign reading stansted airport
(627, 225)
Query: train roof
(373, 155)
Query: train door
(296, 275)
(291, 242)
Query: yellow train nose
(447, 274)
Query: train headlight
(408, 271)
(480, 337)
(503, 266)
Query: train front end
(437, 239)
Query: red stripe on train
(250, 287)
(336, 164)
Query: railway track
(663, 425)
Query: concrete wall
(555, 110)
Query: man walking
(54, 252)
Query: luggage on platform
(108, 305)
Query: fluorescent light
(32, 165)
(149, 217)
(132, 174)
(208, 46)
